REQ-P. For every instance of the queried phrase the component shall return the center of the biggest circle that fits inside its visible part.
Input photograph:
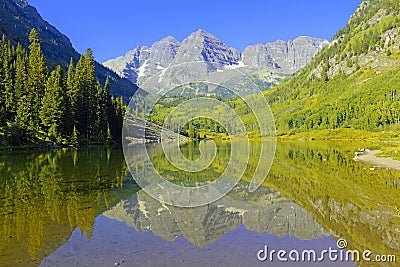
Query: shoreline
(48, 148)
(340, 134)
(369, 157)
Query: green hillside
(16, 21)
(352, 83)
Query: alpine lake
(82, 207)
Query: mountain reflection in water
(77, 207)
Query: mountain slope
(203, 46)
(267, 64)
(135, 58)
(159, 56)
(354, 82)
(17, 18)
(284, 57)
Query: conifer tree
(109, 137)
(79, 98)
(53, 111)
(107, 97)
(70, 118)
(6, 87)
(119, 117)
(23, 118)
(77, 83)
(92, 87)
(9, 90)
(20, 73)
(36, 80)
(75, 136)
(70, 75)
(104, 110)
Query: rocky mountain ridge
(274, 60)
(286, 57)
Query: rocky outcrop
(203, 46)
(283, 57)
(159, 56)
(144, 61)
(132, 69)
(135, 58)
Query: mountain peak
(169, 39)
(203, 33)
(282, 57)
(205, 47)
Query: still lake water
(81, 207)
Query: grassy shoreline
(386, 141)
(345, 134)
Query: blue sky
(111, 28)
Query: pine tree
(23, 117)
(85, 97)
(3, 68)
(107, 97)
(69, 106)
(93, 88)
(2, 89)
(10, 102)
(7, 97)
(52, 133)
(109, 136)
(20, 73)
(116, 128)
(53, 111)
(104, 110)
(70, 75)
(76, 83)
(36, 81)
(75, 136)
